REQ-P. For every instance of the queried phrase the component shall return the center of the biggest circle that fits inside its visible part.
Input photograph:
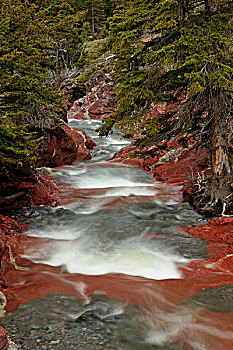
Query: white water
(125, 222)
(104, 177)
(100, 241)
(136, 257)
(87, 249)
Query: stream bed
(119, 245)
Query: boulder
(63, 145)
(20, 183)
(44, 192)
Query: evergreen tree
(21, 59)
(34, 39)
(65, 32)
(23, 96)
(179, 52)
(97, 12)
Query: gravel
(61, 322)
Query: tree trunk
(207, 6)
(92, 15)
(220, 188)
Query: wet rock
(218, 233)
(63, 145)
(10, 261)
(12, 346)
(4, 342)
(44, 192)
(217, 230)
(214, 299)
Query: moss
(94, 51)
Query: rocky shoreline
(51, 324)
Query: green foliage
(97, 12)
(65, 30)
(38, 40)
(22, 75)
(171, 51)
(15, 142)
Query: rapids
(108, 232)
(118, 236)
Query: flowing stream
(126, 222)
(121, 233)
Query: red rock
(99, 103)
(4, 341)
(10, 234)
(181, 167)
(217, 230)
(184, 167)
(63, 146)
(85, 139)
(218, 233)
(22, 186)
(45, 192)
(124, 153)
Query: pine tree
(21, 57)
(33, 41)
(179, 52)
(97, 12)
(65, 32)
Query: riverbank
(210, 272)
(207, 278)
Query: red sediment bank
(218, 233)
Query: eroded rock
(63, 145)
(97, 104)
